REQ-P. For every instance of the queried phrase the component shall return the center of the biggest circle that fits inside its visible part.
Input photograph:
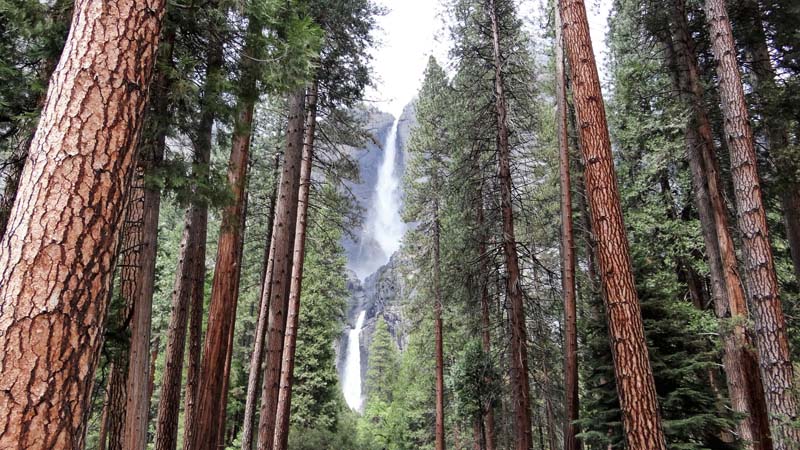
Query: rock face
(380, 293)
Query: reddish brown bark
(571, 405)
(57, 257)
(114, 426)
(293, 312)
(762, 79)
(224, 291)
(283, 234)
(143, 273)
(770, 325)
(727, 288)
(261, 325)
(226, 377)
(519, 349)
(635, 384)
(189, 285)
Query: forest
(214, 237)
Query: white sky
(412, 30)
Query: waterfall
(351, 379)
(386, 225)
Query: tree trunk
(771, 339)
(571, 405)
(189, 286)
(283, 234)
(762, 79)
(105, 419)
(151, 384)
(115, 407)
(57, 265)
(727, 288)
(130, 260)
(635, 384)
(261, 325)
(293, 312)
(151, 154)
(437, 326)
(519, 349)
(226, 377)
(204, 433)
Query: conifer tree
(770, 324)
(634, 374)
(50, 192)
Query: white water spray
(387, 226)
(351, 379)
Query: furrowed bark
(261, 325)
(222, 313)
(770, 325)
(151, 155)
(283, 415)
(727, 287)
(635, 384)
(571, 404)
(283, 234)
(762, 79)
(189, 285)
(58, 254)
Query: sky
(413, 30)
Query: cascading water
(351, 379)
(386, 227)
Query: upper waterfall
(385, 224)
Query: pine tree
(635, 383)
(93, 208)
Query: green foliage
(383, 365)
(316, 400)
(473, 382)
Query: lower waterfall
(351, 380)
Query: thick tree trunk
(293, 312)
(571, 405)
(770, 325)
(283, 234)
(222, 310)
(261, 325)
(635, 383)
(762, 79)
(727, 287)
(519, 345)
(437, 327)
(57, 260)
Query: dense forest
(213, 238)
